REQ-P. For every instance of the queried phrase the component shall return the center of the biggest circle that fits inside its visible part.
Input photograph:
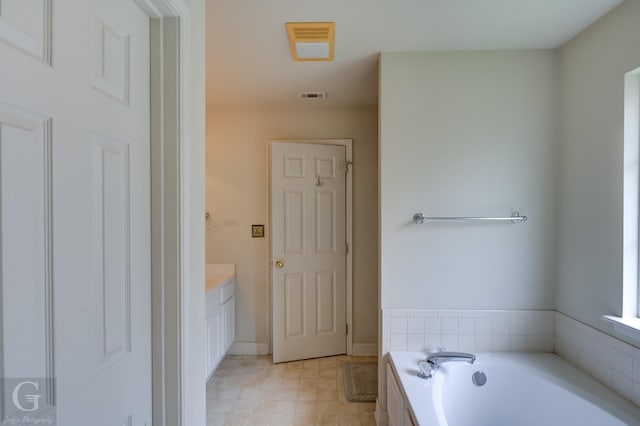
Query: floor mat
(360, 381)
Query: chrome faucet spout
(437, 358)
(427, 366)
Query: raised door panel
(26, 25)
(294, 220)
(294, 306)
(326, 302)
(112, 250)
(26, 304)
(112, 61)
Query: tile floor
(251, 390)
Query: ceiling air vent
(313, 95)
(311, 41)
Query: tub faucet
(431, 363)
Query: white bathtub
(521, 390)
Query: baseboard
(262, 348)
(382, 417)
(257, 348)
(365, 349)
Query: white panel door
(308, 214)
(74, 212)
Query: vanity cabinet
(228, 321)
(220, 316)
(397, 405)
(214, 349)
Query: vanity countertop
(219, 274)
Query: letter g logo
(33, 399)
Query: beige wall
(237, 196)
(592, 69)
(468, 134)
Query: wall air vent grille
(313, 95)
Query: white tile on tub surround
(519, 343)
(448, 328)
(467, 326)
(484, 325)
(450, 342)
(467, 343)
(432, 325)
(484, 343)
(519, 322)
(610, 361)
(501, 343)
(398, 342)
(601, 351)
(400, 313)
(622, 362)
(622, 384)
(601, 374)
(425, 313)
(450, 325)
(432, 341)
(500, 323)
(586, 362)
(635, 396)
(415, 325)
(449, 313)
(398, 325)
(415, 342)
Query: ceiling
(249, 62)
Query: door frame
(178, 376)
(348, 145)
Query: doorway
(310, 209)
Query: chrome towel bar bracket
(420, 218)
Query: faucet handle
(424, 370)
(440, 348)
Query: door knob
(279, 263)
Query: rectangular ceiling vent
(311, 33)
(313, 95)
(311, 41)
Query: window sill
(628, 326)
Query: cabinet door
(214, 350)
(228, 315)
(395, 401)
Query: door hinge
(346, 245)
(346, 331)
(346, 166)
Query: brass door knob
(279, 263)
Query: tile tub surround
(612, 362)
(461, 330)
(468, 330)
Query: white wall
(467, 134)
(238, 196)
(592, 68)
